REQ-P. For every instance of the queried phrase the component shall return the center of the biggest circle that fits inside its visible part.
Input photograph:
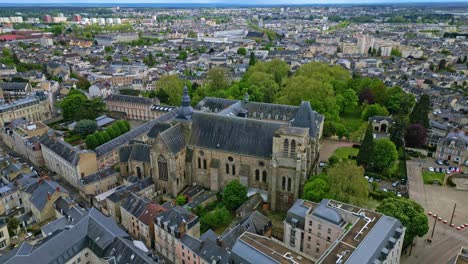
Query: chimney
(57, 189)
(219, 241)
(48, 196)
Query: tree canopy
(85, 127)
(173, 86)
(421, 110)
(410, 214)
(385, 154)
(366, 151)
(347, 183)
(76, 106)
(234, 195)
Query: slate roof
(174, 138)
(175, 217)
(140, 152)
(255, 34)
(100, 175)
(94, 231)
(40, 190)
(297, 213)
(135, 205)
(124, 191)
(206, 248)
(273, 109)
(215, 104)
(129, 99)
(233, 134)
(326, 213)
(157, 129)
(125, 138)
(14, 86)
(307, 118)
(62, 148)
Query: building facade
(453, 147)
(33, 109)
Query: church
(272, 149)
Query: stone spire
(185, 110)
(246, 98)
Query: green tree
(374, 110)
(366, 151)
(149, 60)
(323, 72)
(105, 136)
(410, 214)
(215, 218)
(395, 52)
(421, 110)
(217, 79)
(181, 200)
(12, 225)
(85, 127)
(320, 94)
(71, 105)
(91, 142)
(83, 83)
(242, 51)
(385, 155)
(108, 49)
(113, 132)
(347, 183)
(316, 189)
(399, 102)
(100, 138)
(192, 34)
(6, 52)
(253, 59)
(397, 131)
(173, 86)
(234, 195)
(347, 99)
(182, 55)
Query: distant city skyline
(229, 2)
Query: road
(440, 200)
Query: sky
(238, 2)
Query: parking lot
(439, 200)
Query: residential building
(461, 258)
(47, 19)
(331, 231)
(93, 238)
(22, 137)
(99, 182)
(13, 91)
(138, 214)
(4, 235)
(252, 249)
(170, 226)
(134, 107)
(70, 163)
(33, 108)
(453, 147)
(10, 198)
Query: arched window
(283, 184)
(286, 147)
(199, 163)
(289, 184)
(204, 164)
(162, 168)
(264, 176)
(293, 148)
(138, 169)
(227, 168)
(257, 175)
(233, 169)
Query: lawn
(356, 127)
(430, 177)
(344, 152)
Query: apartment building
(99, 182)
(334, 231)
(67, 161)
(170, 226)
(138, 214)
(22, 137)
(32, 108)
(134, 107)
(4, 235)
(453, 147)
(13, 91)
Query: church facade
(272, 149)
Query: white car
(431, 169)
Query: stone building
(270, 148)
(334, 232)
(4, 235)
(134, 107)
(67, 161)
(13, 91)
(33, 108)
(99, 182)
(453, 147)
(381, 125)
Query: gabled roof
(40, 192)
(61, 148)
(307, 118)
(233, 134)
(135, 205)
(174, 138)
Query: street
(439, 200)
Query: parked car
(322, 164)
(395, 184)
(398, 194)
(366, 177)
(431, 169)
(371, 180)
(440, 162)
(446, 162)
